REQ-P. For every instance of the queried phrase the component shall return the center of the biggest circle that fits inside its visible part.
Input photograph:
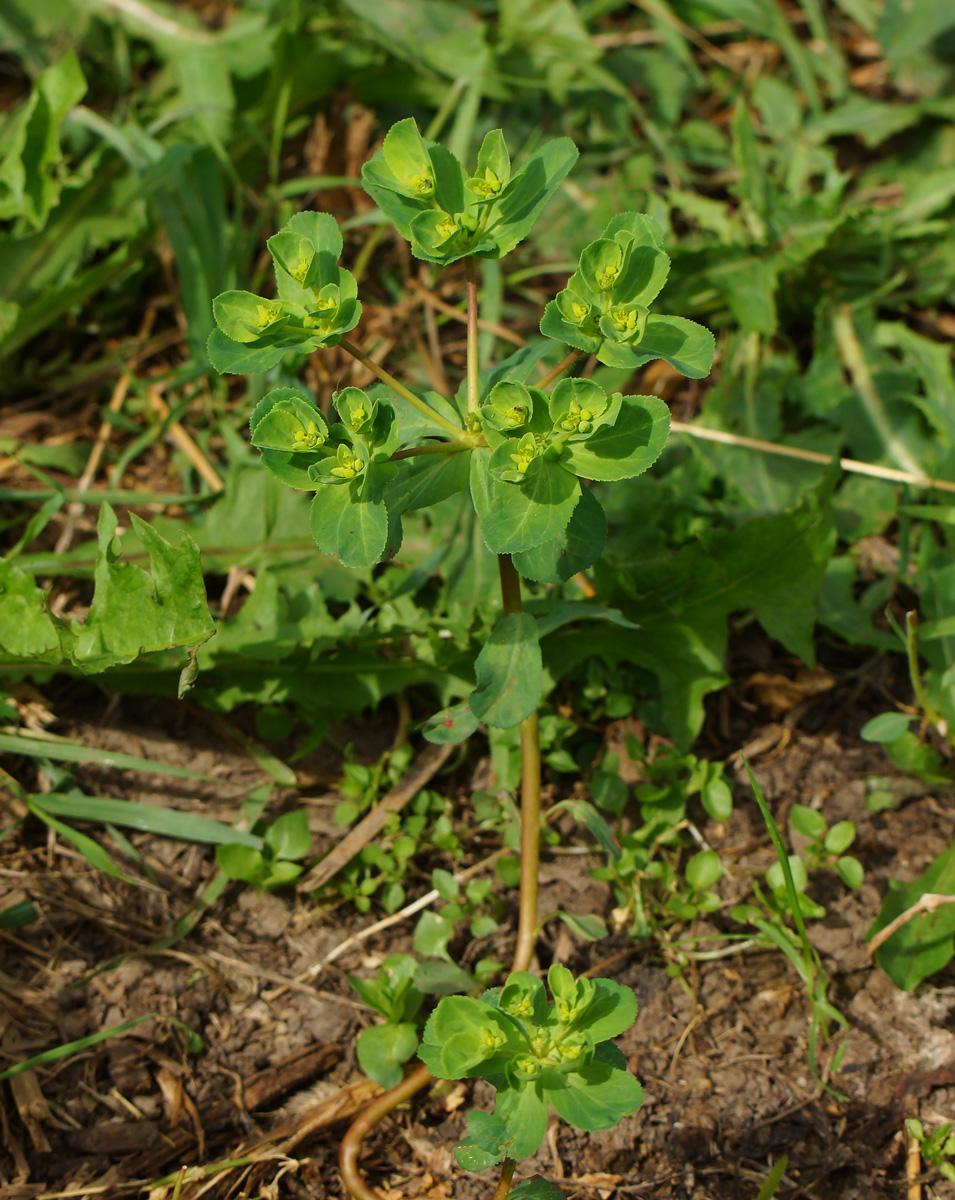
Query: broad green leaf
(426, 480)
(508, 673)
(485, 1143)
(135, 612)
(30, 181)
(626, 448)
(244, 317)
(704, 869)
(519, 516)
(432, 934)
(515, 213)
(611, 1011)
(27, 631)
(437, 978)
(523, 1109)
(465, 1037)
(554, 324)
(886, 727)
(926, 943)
(242, 862)
(229, 357)
(772, 566)
(536, 1189)
(343, 524)
(382, 1050)
(289, 836)
(577, 548)
(684, 344)
(717, 799)
(289, 421)
(551, 616)
(454, 725)
(597, 1097)
(807, 821)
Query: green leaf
(807, 821)
(442, 978)
(586, 926)
(519, 516)
(465, 1037)
(229, 357)
(383, 1049)
(850, 871)
(523, 1109)
(588, 816)
(516, 212)
(886, 727)
(348, 526)
(926, 942)
(596, 1097)
(244, 317)
(27, 631)
(772, 566)
(485, 1144)
(717, 799)
(453, 725)
(92, 851)
(626, 448)
(432, 934)
(536, 1189)
(290, 837)
(582, 336)
(29, 180)
(509, 673)
(575, 549)
(426, 480)
(135, 612)
(148, 818)
(840, 837)
(288, 420)
(703, 869)
(684, 344)
(241, 862)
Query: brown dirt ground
(721, 1052)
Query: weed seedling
(526, 453)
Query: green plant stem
(431, 448)
(504, 1183)
(559, 369)
(399, 388)
(912, 653)
(530, 795)
(471, 277)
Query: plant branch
(928, 902)
(530, 795)
(526, 931)
(399, 388)
(504, 1183)
(431, 448)
(472, 335)
(376, 1111)
(915, 674)
(561, 367)
(852, 465)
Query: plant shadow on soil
(721, 1053)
